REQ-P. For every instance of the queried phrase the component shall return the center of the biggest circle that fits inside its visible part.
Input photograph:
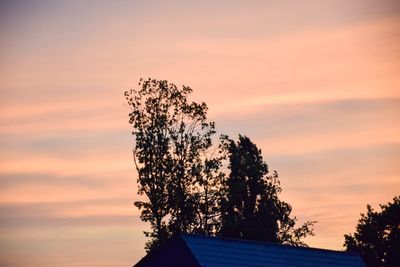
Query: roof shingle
(214, 251)
(207, 251)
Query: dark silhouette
(175, 169)
(377, 236)
(251, 208)
(180, 173)
(199, 250)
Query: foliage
(251, 208)
(180, 174)
(377, 235)
(172, 156)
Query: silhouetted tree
(377, 236)
(251, 208)
(180, 173)
(176, 170)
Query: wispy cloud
(314, 84)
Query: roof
(207, 251)
(214, 251)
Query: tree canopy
(250, 207)
(171, 155)
(192, 185)
(377, 235)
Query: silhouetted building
(205, 251)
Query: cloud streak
(315, 85)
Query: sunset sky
(315, 84)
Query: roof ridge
(268, 243)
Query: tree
(251, 208)
(176, 172)
(180, 174)
(377, 235)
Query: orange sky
(315, 84)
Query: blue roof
(215, 251)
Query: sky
(315, 84)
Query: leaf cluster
(251, 207)
(172, 158)
(182, 174)
(377, 235)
